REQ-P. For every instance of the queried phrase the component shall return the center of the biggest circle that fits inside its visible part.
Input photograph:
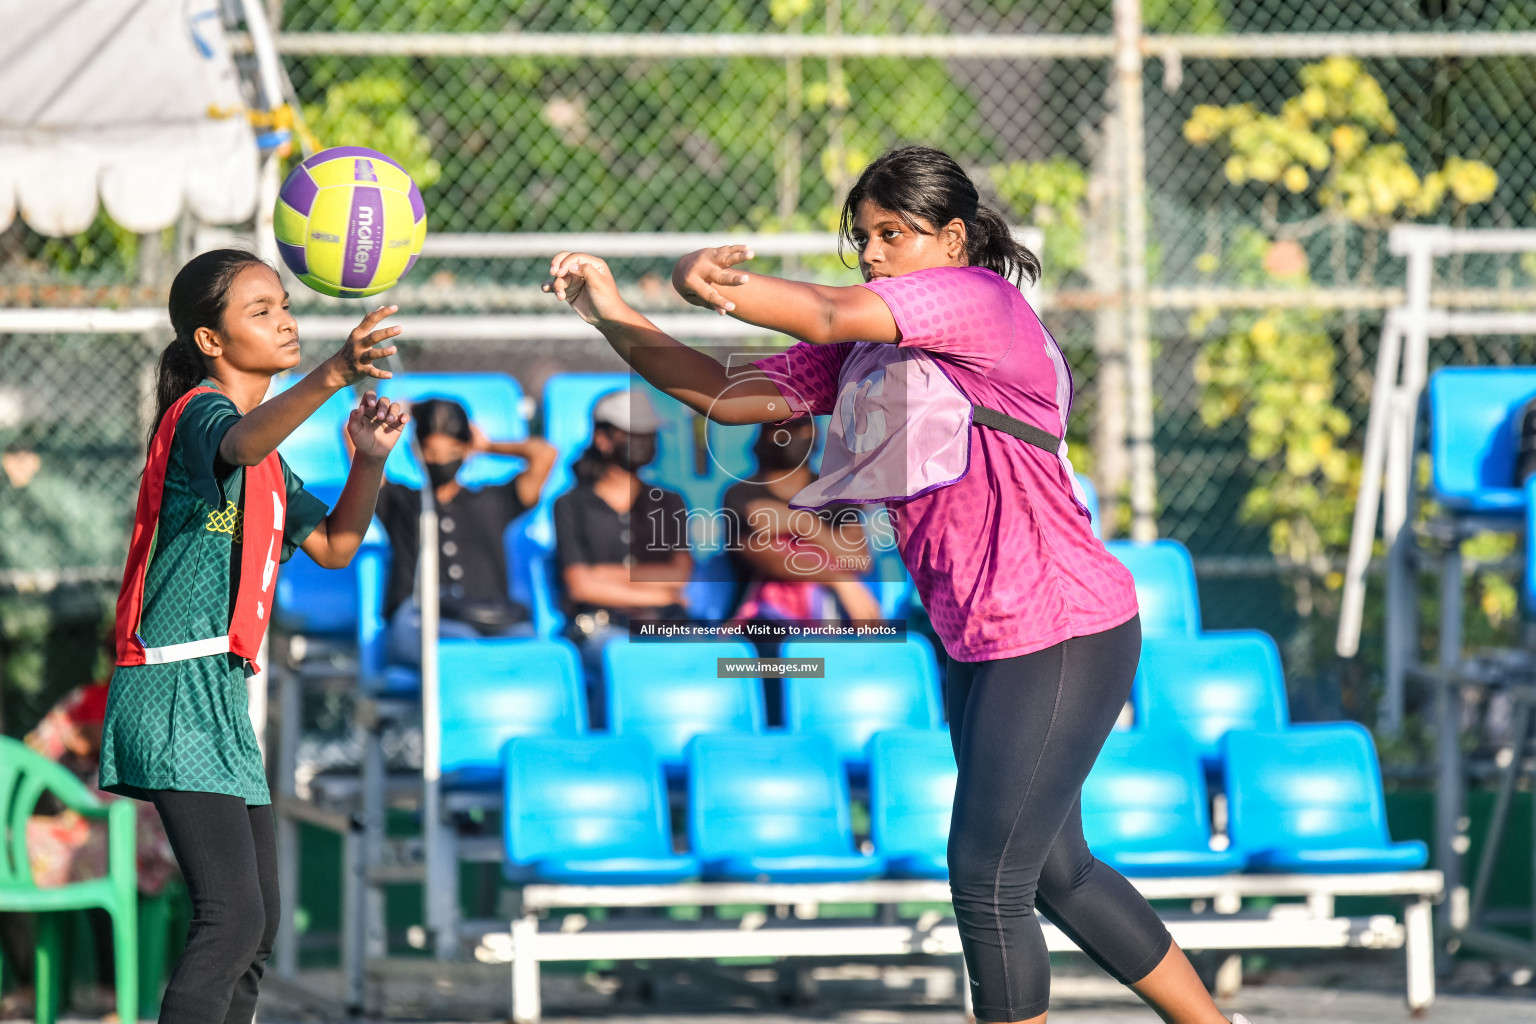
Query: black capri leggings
(1026, 731)
(228, 855)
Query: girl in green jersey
(177, 729)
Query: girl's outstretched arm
(817, 313)
(263, 428)
(694, 378)
(374, 427)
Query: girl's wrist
(332, 374)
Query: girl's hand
(699, 276)
(478, 442)
(366, 343)
(587, 284)
(375, 425)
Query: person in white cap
(622, 543)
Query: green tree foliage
(1049, 194)
(625, 145)
(371, 111)
(1279, 368)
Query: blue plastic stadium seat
(671, 692)
(494, 402)
(867, 687)
(1092, 494)
(911, 795)
(1530, 531)
(1309, 799)
(311, 600)
(715, 588)
(316, 450)
(1165, 585)
(1144, 808)
(772, 808)
(315, 601)
(1473, 436)
(1203, 687)
(531, 576)
(494, 689)
(590, 810)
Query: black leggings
(1026, 731)
(228, 855)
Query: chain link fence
(1274, 164)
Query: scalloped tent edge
(137, 107)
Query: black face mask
(783, 456)
(441, 473)
(638, 450)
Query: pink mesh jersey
(1004, 556)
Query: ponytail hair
(199, 296)
(921, 182)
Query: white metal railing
(683, 45)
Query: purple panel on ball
(408, 265)
(365, 237)
(293, 255)
(418, 208)
(346, 151)
(299, 191)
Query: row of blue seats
(1198, 689)
(594, 810)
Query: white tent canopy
(136, 102)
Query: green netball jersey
(186, 725)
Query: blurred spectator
(473, 596)
(65, 847)
(622, 543)
(799, 564)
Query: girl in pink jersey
(948, 402)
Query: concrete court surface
(1263, 1006)
(1358, 992)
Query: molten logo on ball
(349, 222)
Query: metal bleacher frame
(1393, 440)
(1216, 920)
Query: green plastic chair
(24, 775)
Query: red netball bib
(265, 505)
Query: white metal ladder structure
(1387, 485)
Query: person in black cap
(472, 563)
(622, 543)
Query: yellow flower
(1348, 140)
(1236, 169)
(1296, 178)
(1471, 181)
(1264, 332)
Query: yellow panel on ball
(325, 242)
(330, 173)
(289, 225)
(396, 254)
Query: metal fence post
(1138, 343)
